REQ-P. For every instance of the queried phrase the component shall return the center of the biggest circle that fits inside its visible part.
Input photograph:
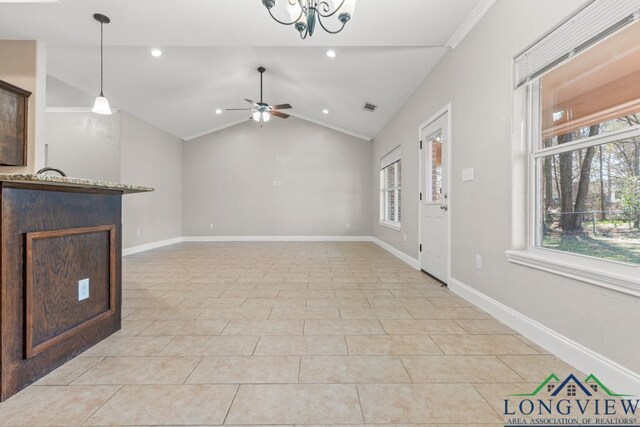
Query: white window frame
(395, 156)
(619, 276)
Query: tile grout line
(360, 402)
(193, 370)
(105, 402)
(231, 404)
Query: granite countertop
(72, 182)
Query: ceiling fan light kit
(304, 14)
(101, 104)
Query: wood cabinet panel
(55, 262)
(14, 105)
(55, 211)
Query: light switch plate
(83, 289)
(467, 174)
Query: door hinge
(420, 196)
(421, 145)
(420, 247)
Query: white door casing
(435, 196)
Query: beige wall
(83, 145)
(476, 78)
(18, 66)
(228, 182)
(150, 157)
(118, 148)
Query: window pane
(590, 201)
(391, 178)
(391, 206)
(598, 87)
(436, 169)
(399, 205)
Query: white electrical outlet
(478, 262)
(348, 225)
(138, 232)
(83, 289)
(211, 226)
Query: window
(550, 387)
(576, 152)
(435, 144)
(391, 189)
(571, 390)
(594, 387)
(586, 155)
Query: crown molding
(213, 129)
(299, 116)
(470, 21)
(336, 128)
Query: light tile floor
(288, 334)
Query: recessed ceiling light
(331, 53)
(218, 111)
(325, 111)
(156, 53)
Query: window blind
(391, 157)
(593, 23)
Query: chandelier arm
(328, 30)
(286, 23)
(324, 6)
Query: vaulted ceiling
(211, 49)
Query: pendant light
(101, 105)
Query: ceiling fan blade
(281, 107)
(279, 114)
(251, 102)
(238, 109)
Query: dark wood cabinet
(51, 238)
(14, 116)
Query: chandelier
(304, 14)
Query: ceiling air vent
(369, 107)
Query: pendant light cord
(101, 58)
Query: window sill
(613, 275)
(392, 225)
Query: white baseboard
(148, 246)
(619, 378)
(276, 239)
(397, 253)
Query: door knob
(444, 207)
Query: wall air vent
(369, 107)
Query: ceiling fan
(262, 111)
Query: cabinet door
(13, 125)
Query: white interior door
(434, 206)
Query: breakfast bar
(60, 265)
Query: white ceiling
(211, 49)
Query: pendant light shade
(101, 104)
